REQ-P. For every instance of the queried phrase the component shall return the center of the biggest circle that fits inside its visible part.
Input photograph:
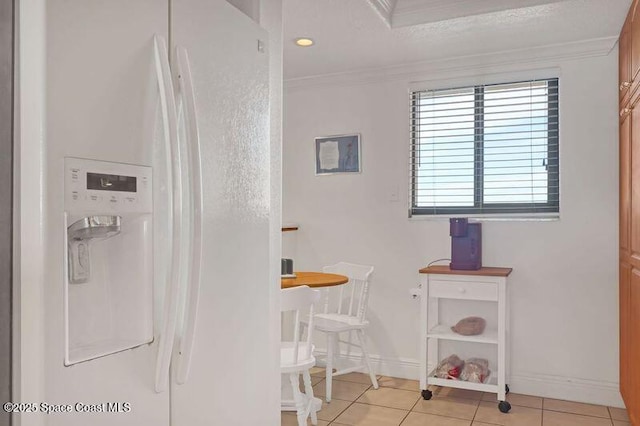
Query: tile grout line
(410, 410)
(475, 413)
(375, 405)
(405, 417)
(578, 414)
(352, 402)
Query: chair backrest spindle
(364, 292)
(354, 284)
(358, 294)
(325, 296)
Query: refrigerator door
(102, 103)
(230, 359)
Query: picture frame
(338, 154)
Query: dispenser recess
(108, 223)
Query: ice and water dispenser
(108, 258)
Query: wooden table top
(486, 271)
(313, 279)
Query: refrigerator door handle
(194, 162)
(170, 125)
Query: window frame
(501, 210)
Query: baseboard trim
(548, 386)
(403, 368)
(568, 388)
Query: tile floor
(398, 402)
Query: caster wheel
(506, 389)
(427, 394)
(504, 407)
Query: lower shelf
(491, 384)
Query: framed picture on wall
(338, 154)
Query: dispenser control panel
(101, 186)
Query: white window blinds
(482, 150)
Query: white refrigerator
(157, 305)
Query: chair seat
(337, 323)
(287, 363)
(342, 320)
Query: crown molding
(384, 8)
(416, 12)
(537, 56)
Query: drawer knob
(462, 290)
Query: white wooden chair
(297, 356)
(343, 311)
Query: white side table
(486, 284)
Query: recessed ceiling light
(304, 42)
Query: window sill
(548, 217)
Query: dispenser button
(75, 195)
(94, 198)
(75, 175)
(113, 199)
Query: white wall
(563, 291)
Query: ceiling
(354, 35)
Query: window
(483, 150)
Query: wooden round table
(313, 279)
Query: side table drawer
(451, 289)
